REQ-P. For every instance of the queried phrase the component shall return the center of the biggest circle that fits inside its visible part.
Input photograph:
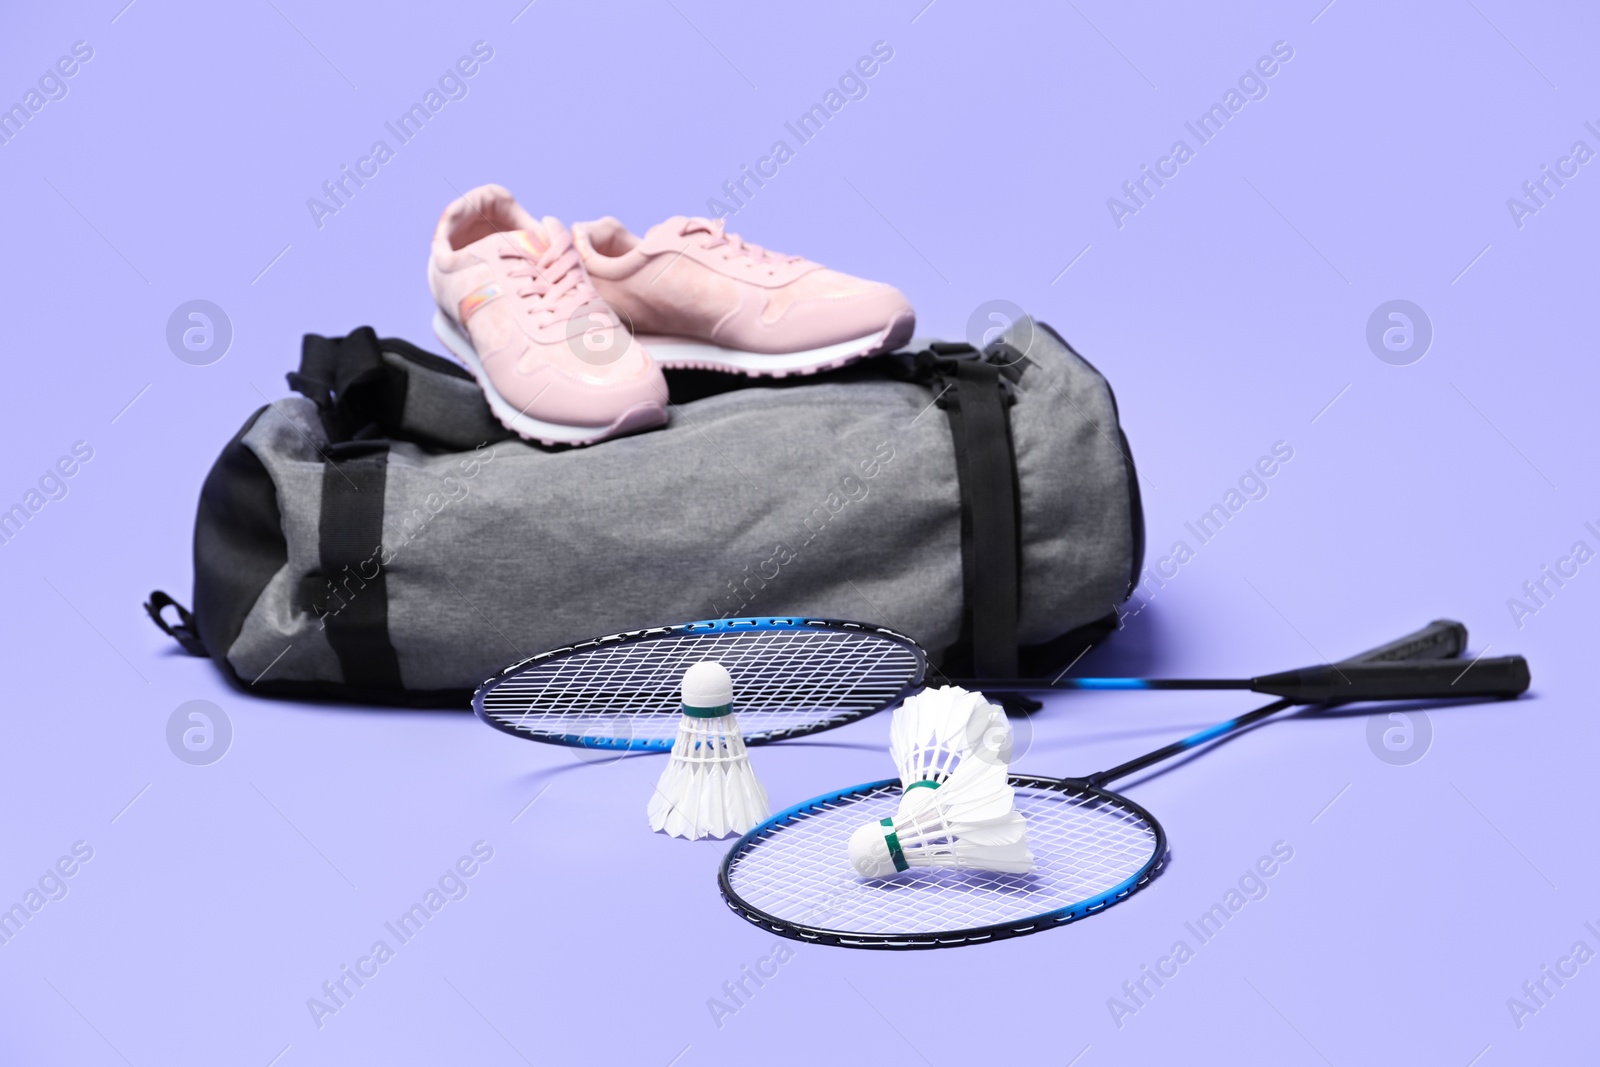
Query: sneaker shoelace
(557, 282)
(718, 236)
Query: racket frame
(973, 935)
(1441, 639)
(753, 624)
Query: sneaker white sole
(639, 417)
(681, 353)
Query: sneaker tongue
(535, 240)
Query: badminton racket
(797, 676)
(1092, 847)
(791, 676)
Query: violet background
(1228, 313)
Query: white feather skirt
(708, 788)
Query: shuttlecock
(709, 788)
(969, 820)
(938, 730)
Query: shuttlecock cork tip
(870, 851)
(707, 688)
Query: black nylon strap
(350, 536)
(184, 631)
(987, 468)
(357, 393)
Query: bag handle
(369, 389)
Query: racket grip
(1502, 676)
(1440, 639)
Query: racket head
(791, 676)
(792, 875)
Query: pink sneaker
(516, 306)
(701, 297)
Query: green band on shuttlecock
(926, 781)
(892, 839)
(708, 713)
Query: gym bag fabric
(383, 539)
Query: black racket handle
(1440, 639)
(1502, 676)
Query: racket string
(628, 690)
(1086, 845)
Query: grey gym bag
(381, 538)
